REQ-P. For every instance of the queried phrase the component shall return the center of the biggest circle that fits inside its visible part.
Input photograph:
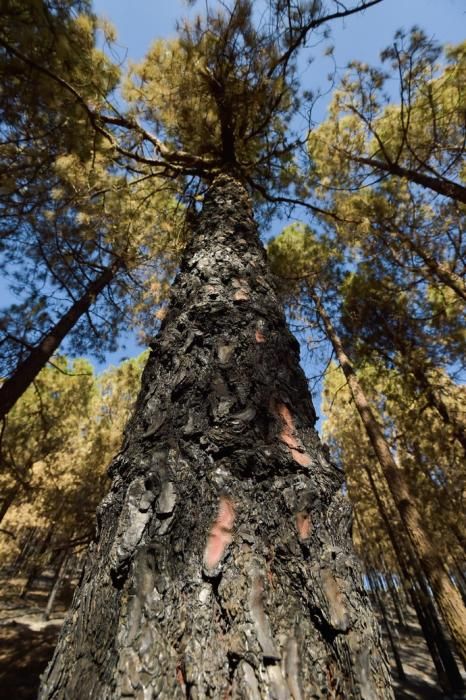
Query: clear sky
(361, 37)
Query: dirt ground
(24, 654)
(27, 643)
(26, 640)
(421, 679)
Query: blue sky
(362, 36)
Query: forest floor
(27, 642)
(421, 680)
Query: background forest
(370, 202)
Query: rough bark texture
(223, 567)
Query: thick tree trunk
(15, 386)
(223, 566)
(446, 595)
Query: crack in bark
(326, 629)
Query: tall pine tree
(223, 564)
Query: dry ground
(26, 640)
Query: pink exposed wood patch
(301, 458)
(303, 525)
(220, 535)
(241, 295)
(288, 435)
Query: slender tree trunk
(437, 402)
(393, 595)
(375, 588)
(459, 578)
(388, 626)
(442, 495)
(447, 596)
(397, 583)
(8, 499)
(223, 567)
(443, 186)
(15, 386)
(24, 554)
(57, 581)
(445, 664)
(37, 565)
(438, 269)
(434, 267)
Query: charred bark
(223, 566)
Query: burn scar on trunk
(259, 332)
(292, 669)
(221, 533)
(303, 525)
(260, 619)
(241, 288)
(288, 434)
(339, 617)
